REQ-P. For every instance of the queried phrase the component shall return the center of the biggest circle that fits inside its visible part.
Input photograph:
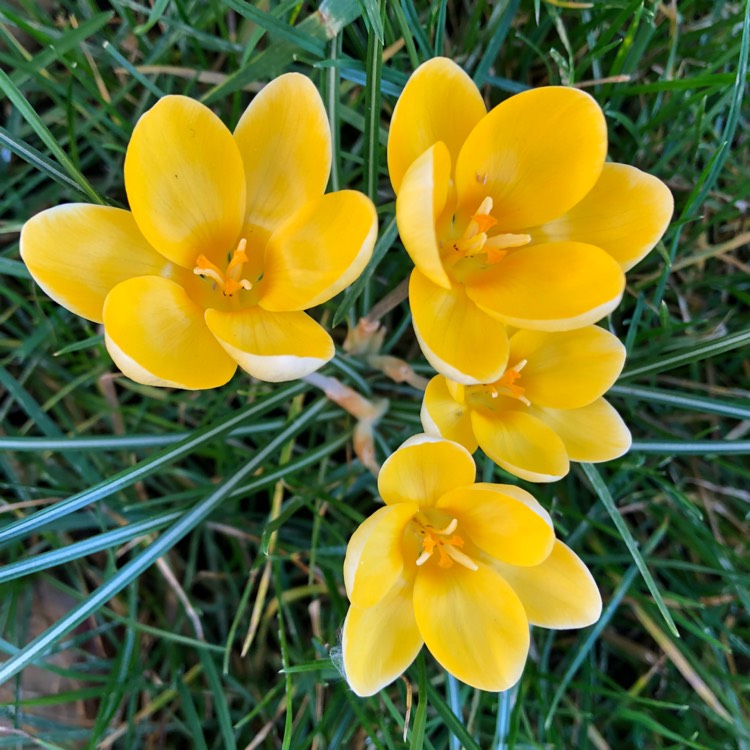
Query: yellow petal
(625, 214)
(568, 369)
(439, 103)
(271, 346)
(285, 142)
(185, 182)
(593, 433)
(157, 336)
(319, 252)
(374, 560)
(552, 287)
(536, 154)
(521, 444)
(457, 338)
(423, 469)
(420, 202)
(442, 415)
(380, 642)
(559, 593)
(473, 623)
(516, 531)
(78, 253)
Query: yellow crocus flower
(545, 411)
(461, 567)
(511, 217)
(229, 238)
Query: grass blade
(602, 491)
(145, 468)
(132, 570)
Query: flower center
(506, 386)
(477, 241)
(444, 542)
(230, 281)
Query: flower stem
(505, 701)
(454, 699)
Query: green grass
(247, 494)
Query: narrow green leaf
(683, 400)
(90, 546)
(602, 491)
(669, 361)
(450, 720)
(276, 26)
(132, 570)
(372, 112)
(692, 447)
(38, 160)
(18, 100)
(593, 635)
(145, 468)
(157, 11)
(371, 12)
(288, 510)
(420, 717)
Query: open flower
(511, 217)
(545, 411)
(229, 239)
(461, 567)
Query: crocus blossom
(229, 239)
(511, 217)
(545, 411)
(461, 567)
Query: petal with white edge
(553, 287)
(521, 444)
(78, 253)
(473, 624)
(380, 642)
(592, 433)
(518, 532)
(442, 415)
(185, 181)
(157, 336)
(625, 213)
(440, 102)
(374, 559)
(423, 469)
(285, 142)
(320, 251)
(457, 338)
(271, 346)
(558, 593)
(420, 202)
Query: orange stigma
(446, 543)
(231, 281)
(475, 241)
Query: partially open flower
(461, 567)
(546, 409)
(230, 239)
(511, 217)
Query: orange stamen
(507, 383)
(447, 545)
(230, 282)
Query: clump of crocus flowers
(520, 233)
